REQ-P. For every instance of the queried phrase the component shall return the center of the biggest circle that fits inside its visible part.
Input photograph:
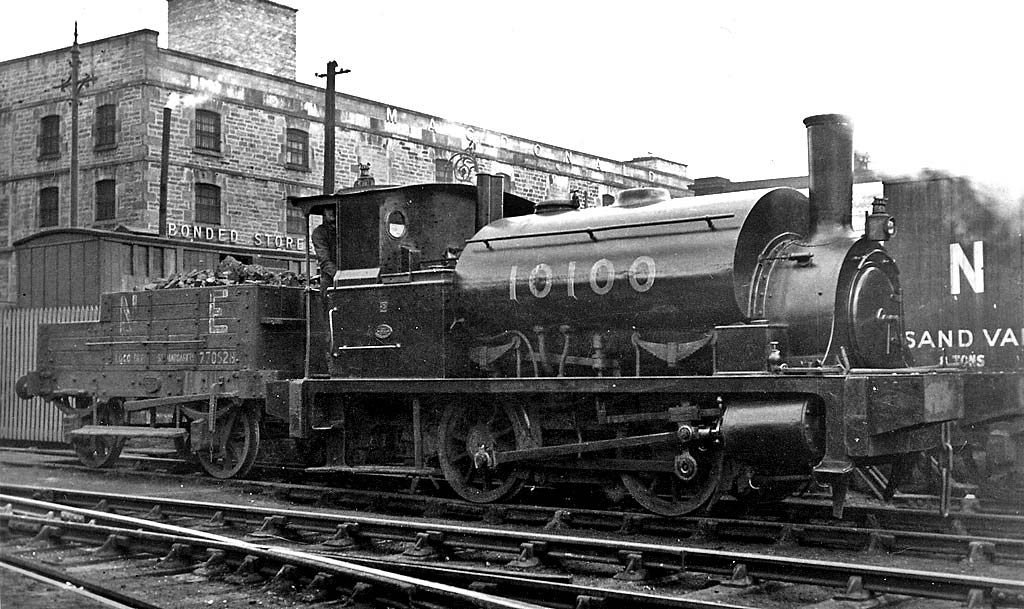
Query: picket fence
(29, 420)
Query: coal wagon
(190, 365)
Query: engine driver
(326, 245)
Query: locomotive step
(129, 431)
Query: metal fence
(29, 420)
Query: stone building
(244, 135)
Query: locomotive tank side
(665, 270)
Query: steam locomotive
(744, 343)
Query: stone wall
(256, 109)
(254, 33)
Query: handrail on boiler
(591, 230)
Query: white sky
(721, 86)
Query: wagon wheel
(101, 451)
(668, 493)
(233, 447)
(469, 433)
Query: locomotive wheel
(101, 451)
(467, 434)
(668, 494)
(234, 446)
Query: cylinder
(777, 436)
(830, 170)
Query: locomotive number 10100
(601, 278)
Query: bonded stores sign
(195, 232)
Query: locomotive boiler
(650, 278)
(681, 348)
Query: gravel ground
(20, 592)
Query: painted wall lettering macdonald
(195, 232)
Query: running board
(128, 431)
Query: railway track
(626, 556)
(133, 548)
(959, 543)
(232, 572)
(969, 515)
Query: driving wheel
(101, 451)
(469, 435)
(233, 446)
(677, 483)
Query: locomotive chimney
(830, 167)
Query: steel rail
(554, 591)
(71, 583)
(526, 589)
(851, 538)
(978, 522)
(926, 584)
(401, 585)
(984, 515)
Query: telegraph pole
(329, 124)
(76, 84)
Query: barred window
(297, 149)
(49, 207)
(207, 203)
(106, 205)
(208, 130)
(105, 129)
(49, 136)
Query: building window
(207, 130)
(444, 171)
(295, 220)
(105, 129)
(207, 204)
(106, 206)
(49, 207)
(49, 137)
(297, 149)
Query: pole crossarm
(76, 84)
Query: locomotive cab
(388, 309)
